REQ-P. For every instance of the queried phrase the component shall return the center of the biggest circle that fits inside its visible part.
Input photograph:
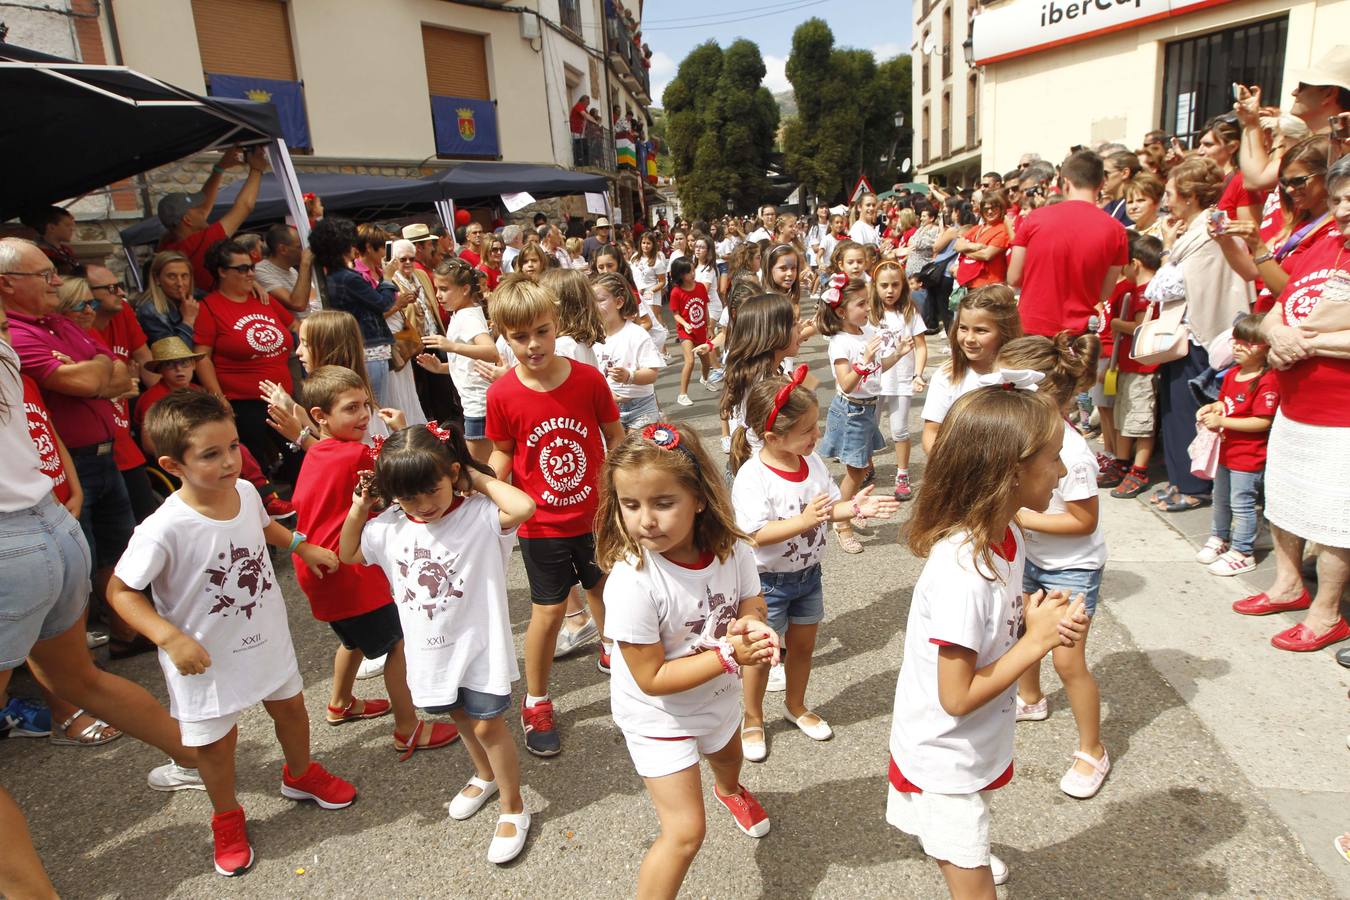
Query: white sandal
(505, 849)
(464, 806)
(1076, 784)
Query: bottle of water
(1094, 324)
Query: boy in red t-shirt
(175, 364)
(550, 420)
(689, 303)
(1242, 416)
(1136, 386)
(355, 601)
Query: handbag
(1162, 337)
(1112, 374)
(1204, 453)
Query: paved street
(1229, 762)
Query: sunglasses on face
(1297, 182)
(116, 287)
(82, 305)
(242, 268)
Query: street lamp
(968, 48)
(899, 120)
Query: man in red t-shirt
(116, 322)
(1067, 256)
(576, 120)
(184, 215)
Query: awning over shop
(483, 180)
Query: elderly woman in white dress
(419, 315)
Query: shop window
(1198, 73)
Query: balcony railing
(627, 57)
(595, 150)
(569, 14)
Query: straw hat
(1332, 70)
(417, 233)
(167, 350)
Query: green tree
(720, 127)
(846, 107)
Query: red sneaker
(234, 854)
(541, 734)
(280, 510)
(745, 809)
(317, 784)
(1261, 604)
(603, 662)
(1302, 639)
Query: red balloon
(462, 217)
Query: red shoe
(1261, 604)
(441, 734)
(369, 709)
(745, 809)
(317, 784)
(1302, 639)
(280, 510)
(234, 854)
(541, 733)
(603, 662)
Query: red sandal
(442, 733)
(370, 709)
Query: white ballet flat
(505, 849)
(820, 731)
(463, 806)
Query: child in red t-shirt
(689, 303)
(1135, 411)
(175, 364)
(1242, 416)
(355, 601)
(550, 420)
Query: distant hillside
(787, 104)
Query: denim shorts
(1087, 582)
(639, 412)
(475, 428)
(44, 577)
(474, 704)
(793, 597)
(851, 433)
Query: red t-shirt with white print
(559, 446)
(44, 439)
(250, 343)
(1245, 451)
(692, 306)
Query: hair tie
(834, 294)
(1013, 379)
(376, 445)
(442, 434)
(667, 437)
(781, 399)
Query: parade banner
(287, 96)
(465, 127)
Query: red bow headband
(667, 437)
(834, 294)
(781, 399)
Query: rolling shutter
(456, 63)
(245, 37)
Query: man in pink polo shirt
(1067, 257)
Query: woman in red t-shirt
(984, 248)
(1307, 469)
(493, 247)
(245, 339)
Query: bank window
(1198, 73)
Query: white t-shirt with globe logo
(213, 579)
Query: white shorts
(208, 731)
(954, 827)
(657, 757)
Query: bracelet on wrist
(1263, 258)
(857, 510)
(727, 656)
(217, 169)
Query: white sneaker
(370, 668)
(568, 641)
(1033, 712)
(712, 386)
(1213, 549)
(505, 849)
(684, 400)
(464, 806)
(777, 679)
(726, 444)
(1233, 563)
(173, 777)
(999, 869)
(96, 639)
(716, 376)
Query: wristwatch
(1263, 258)
(297, 538)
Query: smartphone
(1237, 91)
(1218, 219)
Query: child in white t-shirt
(218, 617)
(858, 355)
(443, 545)
(783, 496)
(683, 605)
(952, 732)
(894, 313)
(467, 339)
(627, 357)
(986, 319)
(1066, 549)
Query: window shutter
(245, 37)
(456, 63)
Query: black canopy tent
(481, 180)
(361, 197)
(71, 128)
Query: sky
(674, 27)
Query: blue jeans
(378, 370)
(1235, 498)
(1087, 582)
(793, 597)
